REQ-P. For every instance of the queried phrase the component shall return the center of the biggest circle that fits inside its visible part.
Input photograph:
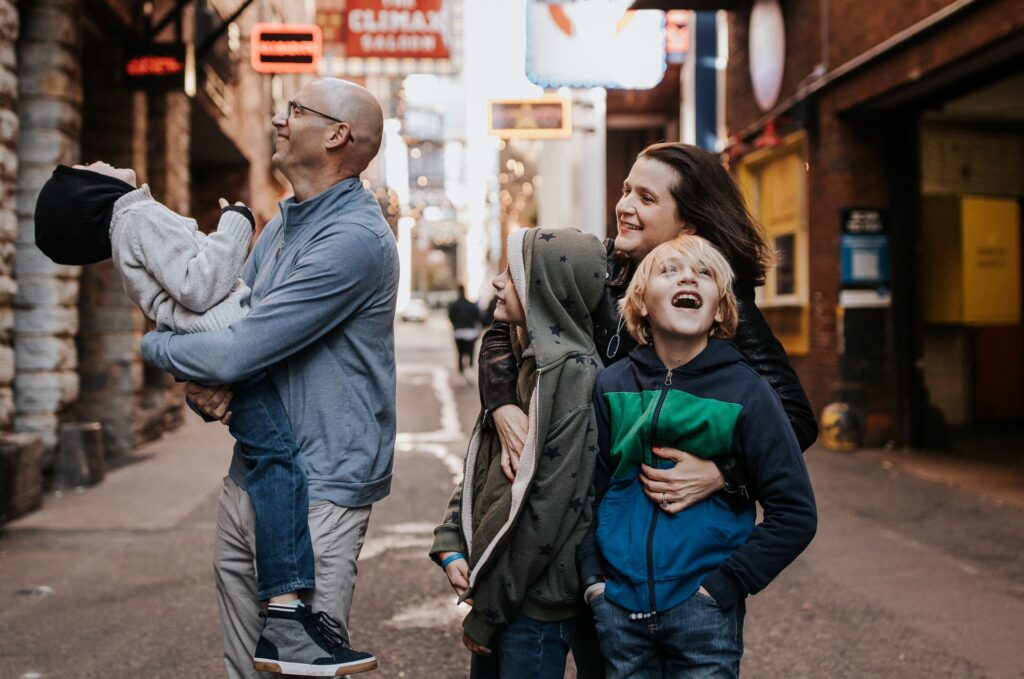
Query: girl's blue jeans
(536, 649)
(277, 485)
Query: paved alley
(906, 578)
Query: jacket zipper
(654, 507)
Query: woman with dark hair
(672, 189)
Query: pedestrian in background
(509, 548)
(465, 319)
(324, 281)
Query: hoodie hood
(562, 272)
(718, 354)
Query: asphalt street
(905, 579)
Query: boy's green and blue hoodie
(521, 538)
(715, 405)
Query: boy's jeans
(531, 649)
(695, 640)
(277, 485)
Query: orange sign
(285, 48)
(544, 118)
(402, 29)
(153, 66)
(332, 23)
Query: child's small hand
(473, 646)
(458, 573)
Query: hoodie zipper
(654, 507)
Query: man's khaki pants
(337, 534)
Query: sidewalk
(997, 483)
(170, 478)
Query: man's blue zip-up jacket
(715, 405)
(324, 279)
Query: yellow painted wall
(970, 260)
(774, 183)
(991, 260)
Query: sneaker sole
(302, 669)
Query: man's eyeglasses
(293, 106)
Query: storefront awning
(697, 5)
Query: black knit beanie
(73, 215)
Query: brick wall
(8, 212)
(851, 158)
(803, 52)
(970, 31)
(855, 28)
(46, 319)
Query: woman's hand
(691, 480)
(512, 425)
(457, 572)
(473, 646)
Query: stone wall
(8, 211)
(46, 317)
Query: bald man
(324, 276)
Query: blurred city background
(879, 145)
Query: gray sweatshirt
(324, 279)
(182, 279)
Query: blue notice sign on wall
(864, 248)
(865, 260)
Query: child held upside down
(185, 281)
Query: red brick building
(886, 163)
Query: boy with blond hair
(667, 587)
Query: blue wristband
(450, 558)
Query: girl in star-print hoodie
(509, 548)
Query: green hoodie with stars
(520, 538)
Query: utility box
(21, 475)
(81, 460)
(970, 260)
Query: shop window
(785, 255)
(774, 183)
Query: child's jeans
(694, 640)
(277, 485)
(531, 649)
